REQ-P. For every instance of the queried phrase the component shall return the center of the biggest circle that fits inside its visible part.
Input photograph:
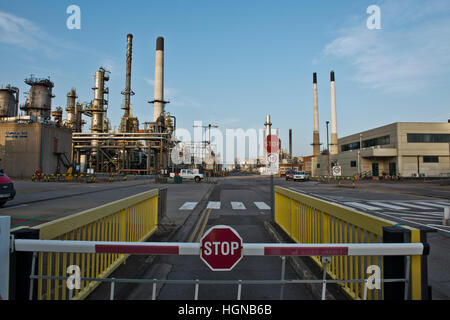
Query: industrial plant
(43, 140)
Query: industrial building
(33, 141)
(404, 149)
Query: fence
(131, 219)
(310, 220)
(248, 249)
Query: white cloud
(405, 56)
(18, 31)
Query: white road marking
(387, 205)
(262, 205)
(213, 205)
(238, 206)
(434, 226)
(447, 204)
(188, 206)
(422, 219)
(411, 205)
(432, 204)
(362, 206)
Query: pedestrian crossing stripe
(213, 205)
(395, 205)
(236, 205)
(262, 205)
(188, 206)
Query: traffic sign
(337, 171)
(272, 158)
(272, 143)
(221, 248)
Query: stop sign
(272, 143)
(221, 248)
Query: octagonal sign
(221, 248)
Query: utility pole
(328, 149)
(359, 156)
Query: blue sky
(231, 63)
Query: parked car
(300, 176)
(289, 175)
(7, 191)
(189, 174)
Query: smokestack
(268, 125)
(316, 141)
(334, 136)
(290, 144)
(158, 102)
(127, 93)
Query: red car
(7, 191)
(290, 175)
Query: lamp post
(328, 149)
(359, 156)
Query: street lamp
(328, 149)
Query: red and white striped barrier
(248, 249)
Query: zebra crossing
(403, 205)
(235, 205)
(422, 212)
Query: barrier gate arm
(248, 249)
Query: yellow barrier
(130, 219)
(310, 220)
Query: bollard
(446, 218)
(394, 266)
(20, 268)
(5, 223)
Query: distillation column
(98, 110)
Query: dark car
(7, 191)
(290, 175)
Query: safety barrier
(310, 220)
(193, 249)
(131, 219)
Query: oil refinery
(42, 139)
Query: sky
(230, 63)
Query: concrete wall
(21, 148)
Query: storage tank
(8, 102)
(39, 100)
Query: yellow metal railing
(310, 220)
(130, 219)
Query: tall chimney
(290, 144)
(268, 125)
(316, 141)
(158, 102)
(334, 136)
(127, 93)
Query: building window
(318, 166)
(353, 164)
(428, 137)
(430, 159)
(380, 141)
